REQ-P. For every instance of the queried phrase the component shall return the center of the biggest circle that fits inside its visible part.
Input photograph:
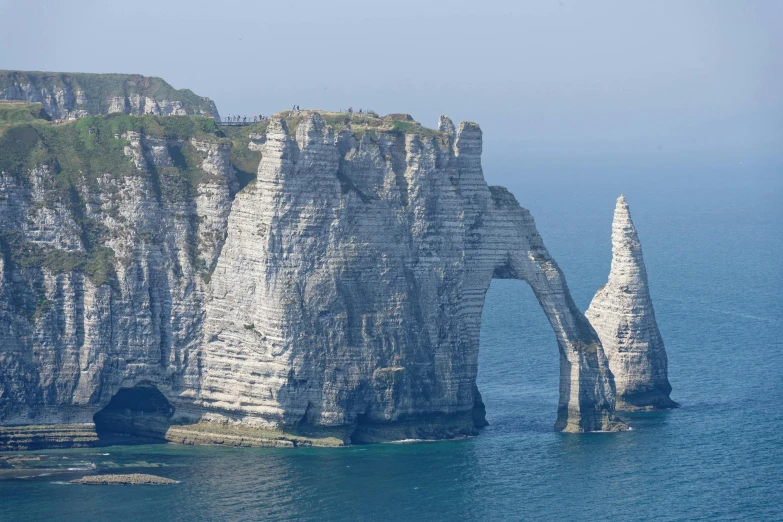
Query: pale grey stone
(622, 314)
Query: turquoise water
(713, 244)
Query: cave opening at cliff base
(141, 412)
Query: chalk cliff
(622, 314)
(337, 297)
(73, 95)
(350, 287)
(104, 254)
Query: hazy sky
(546, 80)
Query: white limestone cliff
(622, 314)
(68, 344)
(350, 287)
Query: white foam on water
(90, 466)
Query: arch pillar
(587, 388)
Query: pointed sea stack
(622, 314)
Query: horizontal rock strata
(31, 437)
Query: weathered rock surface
(73, 95)
(622, 314)
(47, 436)
(103, 283)
(336, 298)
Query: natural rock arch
(364, 265)
(586, 391)
(586, 384)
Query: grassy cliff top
(246, 161)
(91, 144)
(100, 88)
(359, 124)
(12, 112)
(88, 146)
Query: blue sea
(712, 236)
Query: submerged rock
(132, 479)
(622, 314)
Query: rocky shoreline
(59, 436)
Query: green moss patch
(76, 154)
(89, 147)
(20, 112)
(362, 123)
(97, 263)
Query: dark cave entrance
(142, 412)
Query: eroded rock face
(622, 314)
(70, 338)
(339, 294)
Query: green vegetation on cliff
(20, 112)
(98, 263)
(359, 124)
(91, 146)
(99, 89)
(246, 161)
(73, 156)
